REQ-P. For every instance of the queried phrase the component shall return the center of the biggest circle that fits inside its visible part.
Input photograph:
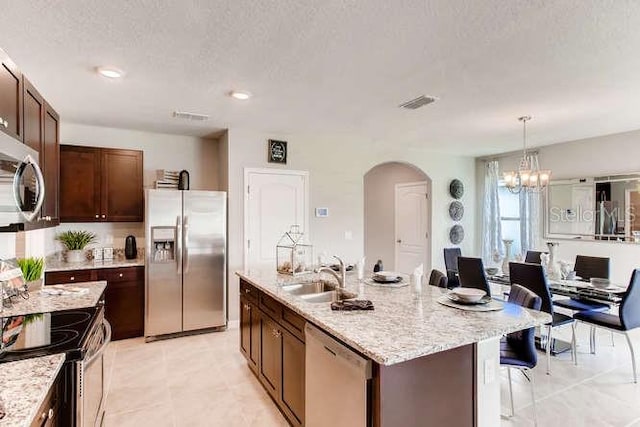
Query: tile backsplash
(109, 234)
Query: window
(510, 218)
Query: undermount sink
(318, 291)
(330, 296)
(307, 288)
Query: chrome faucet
(341, 278)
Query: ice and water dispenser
(163, 244)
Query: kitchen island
(424, 355)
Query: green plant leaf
(32, 268)
(76, 239)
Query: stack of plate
(167, 179)
(468, 296)
(387, 277)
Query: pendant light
(529, 177)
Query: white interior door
(412, 226)
(275, 200)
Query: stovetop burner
(68, 319)
(58, 337)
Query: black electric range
(42, 334)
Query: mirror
(600, 208)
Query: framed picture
(277, 151)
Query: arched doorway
(397, 217)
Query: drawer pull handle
(120, 275)
(72, 278)
(50, 413)
(247, 290)
(104, 216)
(97, 216)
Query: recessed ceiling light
(241, 95)
(110, 72)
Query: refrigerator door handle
(186, 244)
(178, 245)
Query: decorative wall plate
(456, 210)
(456, 234)
(456, 189)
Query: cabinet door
(124, 301)
(293, 377)
(33, 116)
(10, 97)
(250, 333)
(122, 192)
(79, 184)
(270, 372)
(50, 160)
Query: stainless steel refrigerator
(186, 264)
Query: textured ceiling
(336, 66)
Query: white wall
(337, 165)
(379, 210)
(161, 151)
(605, 155)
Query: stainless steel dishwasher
(336, 382)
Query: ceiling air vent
(418, 102)
(190, 116)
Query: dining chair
(532, 277)
(627, 319)
(437, 278)
(451, 256)
(518, 349)
(533, 257)
(472, 275)
(587, 267)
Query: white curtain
(529, 216)
(491, 226)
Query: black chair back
(451, 256)
(533, 257)
(437, 278)
(630, 305)
(592, 266)
(523, 341)
(532, 277)
(472, 275)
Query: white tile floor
(203, 381)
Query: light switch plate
(322, 212)
(348, 235)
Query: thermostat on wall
(322, 212)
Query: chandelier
(529, 177)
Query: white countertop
(57, 265)
(24, 384)
(404, 325)
(39, 302)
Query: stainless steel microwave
(21, 182)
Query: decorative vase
(507, 256)
(553, 266)
(34, 285)
(76, 255)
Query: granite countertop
(404, 325)
(39, 302)
(89, 264)
(24, 386)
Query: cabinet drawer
(249, 291)
(270, 306)
(293, 322)
(71, 276)
(124, 274)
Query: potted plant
(75, 241)
(32, 271)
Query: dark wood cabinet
(34, 107)
(124, 301)
(250, 333)
(50, 160)
(272, 342)
(11, 97)
(100, 185)
(48, 414)
(270, 368)
(293, 377)
(124, 296)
